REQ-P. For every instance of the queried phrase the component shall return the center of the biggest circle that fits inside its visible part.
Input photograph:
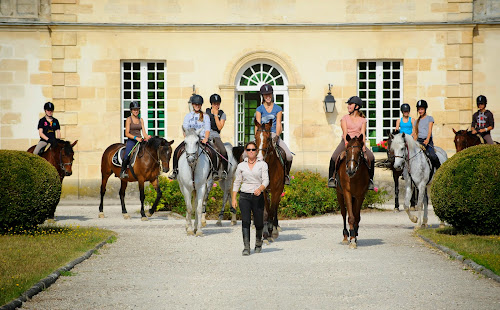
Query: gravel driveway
(154, 265)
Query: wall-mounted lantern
(329, 102)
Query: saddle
(118, 156)
(213, 158)
(342, 156)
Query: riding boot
(258, 241)
(215, 175)
(371, 172)
(246, 241)
(435, 162)
(174, 173)
(123, 173)
(288, 166)
(332, 182)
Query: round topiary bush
(30, 188)
(465, 191)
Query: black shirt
(49, 128)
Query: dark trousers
(222, 150)
(251, 203)
(429, 147)
(128, 147)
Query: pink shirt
(354, 126)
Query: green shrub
(465, 191)
(30, 188)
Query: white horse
(410, 157)
(194, 170)
(226, 185)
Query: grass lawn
(484, 250)
(27, 258)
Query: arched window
(248, 82)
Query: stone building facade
(90, 58)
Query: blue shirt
(407, 127)
(263, 112)
(192, 120)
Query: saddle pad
(117, 159)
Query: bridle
(63, 165)
(265, 151)
(354, 160)
(158, 158)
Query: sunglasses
(251, 150)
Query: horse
(267, 150)
(153, 156)
(353, 179)
(464, 139)
(408, 154)
(60, 155)
(226, 185)
(194, 172)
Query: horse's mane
(154, 142)
(66, 145)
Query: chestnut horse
(61, 156)
(353, 177)
(267, 151)
(154, 155)
(464, 139)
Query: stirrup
(224, 175)
(370, 185)
(287, 180)
(215, 175)
(173, 175)
(123, 174)
(332, 183)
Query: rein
(266, 150)
(61, 164)
(353, 160)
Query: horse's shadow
(268, 249)
(290, 237)
(72, 217)
(216, 230)
(369, 242)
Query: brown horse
(61, 156)
(354, 177)
(267, 150)
(464, 139)
(153, 155)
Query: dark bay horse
(354, 177)
(464, 139)
(61, 156)
(154, 155)
(267, 150)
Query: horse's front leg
(275, 201)
(351, 219)
(156, 185)
(204, 203)
(343, 211)
(142, 197)
(422, 191)
(123, 187)
(222, 184)
(267, 231)
(426, 204)
(395, 177)
(189, 208)
(200, 197)
(406, 204)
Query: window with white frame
(380, 86)
(144, 81)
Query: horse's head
(354, 154)
(398, 149)
(66, 155)
(163, 151)
(263, 137)
(192, 144)
(461, 140)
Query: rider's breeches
(282, 144)
(176, 154)
(128, 147)
(222, 150)
(340, 148)
(41, 144)
(251, 203)
(429, 147)
(487, 138)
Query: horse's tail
(383, 163)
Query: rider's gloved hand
(52, 141)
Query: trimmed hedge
(30, 189)
(465, 191)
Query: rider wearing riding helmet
(354, 125)
(49, 129)
(422, 132)
(268, 107)
(196, 120)
(405, 124)
(133, 127)
(483, 121)
(217, 121)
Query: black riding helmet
(405, 107)
(481, 99)
(422, 104)
(196, 99)
(357, 101)
(135, 105)
(266, 89)
(215, 98)
(48, 106)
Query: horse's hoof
(271, 239)
(276, 234)
(442, 225)
(279, 229)
(414, 219)
(190, 233)
(203, 220)
(396, 210)
(345, 242)
(233, 223)
(424, 225)
(126, 216)
(199, 233)
(144, 219)
(412, 209)
(101, 215)
(233, 219)
(219, 223)
(203, 224)
(353, 245)
(51, 221)
(148, 214)
(266, 241)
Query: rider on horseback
(405, 124)
(196, 120)
(268, 107)
(48, 128)
(423, 132)
(354, 125)
(133, 127)
(483, 121)
(217, 121)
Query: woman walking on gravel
(252, 175)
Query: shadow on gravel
(216, 230)
(369, 242)
(76, 218)
(289, 237)
(267, 250)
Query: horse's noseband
(353, 160)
